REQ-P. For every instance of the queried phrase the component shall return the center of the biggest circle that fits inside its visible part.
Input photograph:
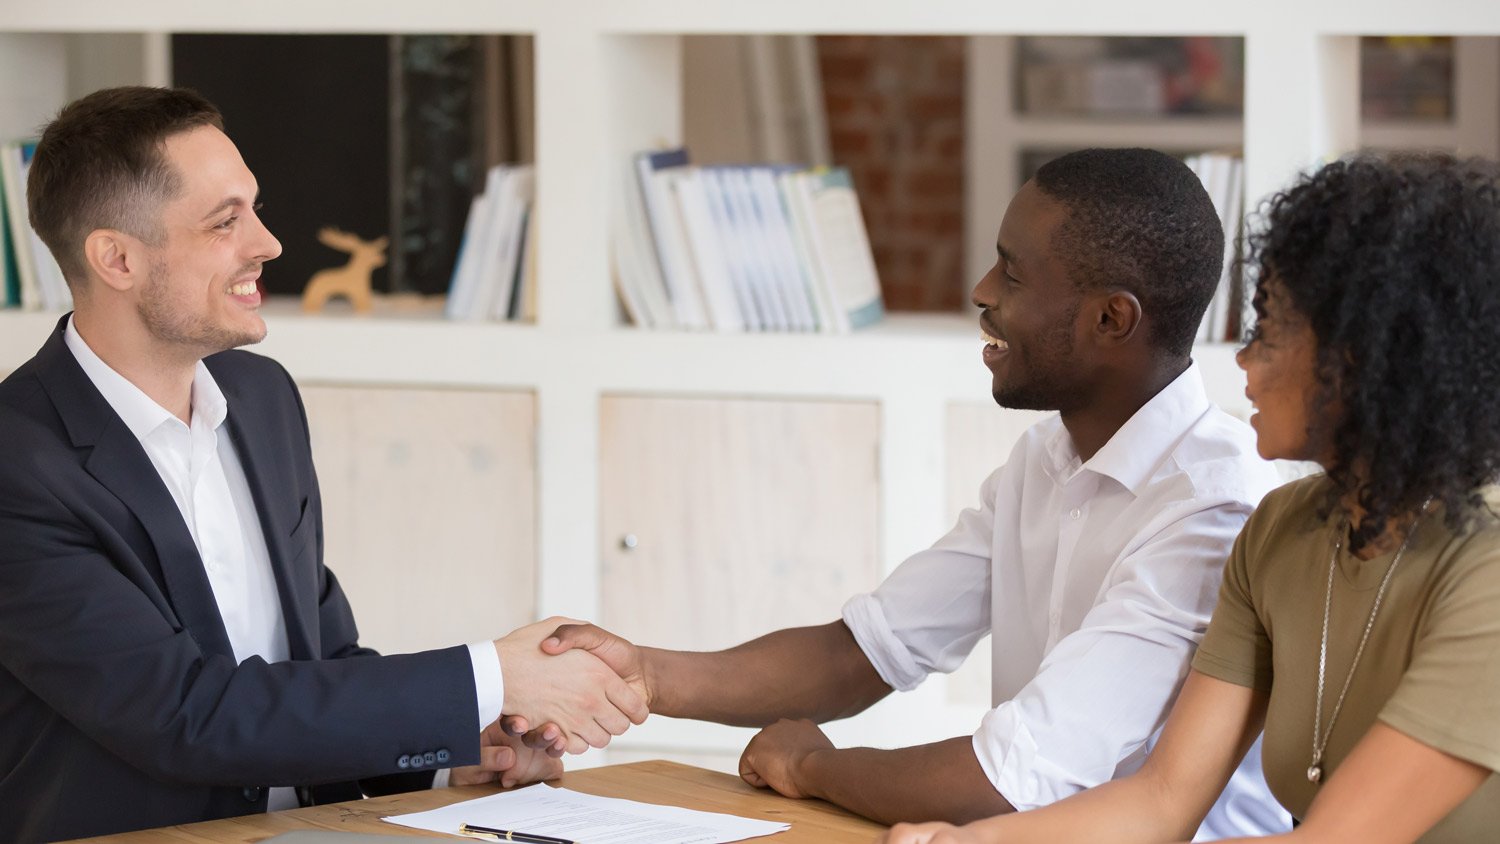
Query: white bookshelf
(999, 133)
(608, 81)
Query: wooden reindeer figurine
(352, 280)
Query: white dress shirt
(1096, 580)
(200, 468)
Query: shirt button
(1076, 513)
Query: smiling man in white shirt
(172, 648)
(1092, 559)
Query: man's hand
(775, 757)
(929, 833)
(575, 690)
(619, 654)
(506, 760)
(548, 737)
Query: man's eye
(227, 223)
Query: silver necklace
(1320, 737)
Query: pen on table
(510, 835)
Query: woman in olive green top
(1359, 619)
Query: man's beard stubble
(170, 324)
(1047, 384)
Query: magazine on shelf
(841, 246)
(492, 256)
(725, 302)
(1223, 178)
(791, 277)
(830, 319)
(509, 239)
(638, 275)
(748, 228)
(657, 172)
(743, 248)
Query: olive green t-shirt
(1431, 668)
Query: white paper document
(589, 819)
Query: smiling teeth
(993, 341)
(244, 288)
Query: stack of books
(1223, 176)
(494, 276)
(743, 248)
(29, 276)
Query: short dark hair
(1139, 220)
(1395, 262)
(100, 164)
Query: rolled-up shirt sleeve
(1103, 692)
(928, 615)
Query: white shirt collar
(137, 410)
(1137, 449)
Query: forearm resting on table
(939, 781)
(1132, 810)
(818, 673)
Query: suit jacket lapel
(121, 465)
(272, 486)
(118, 462)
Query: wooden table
(666, 783)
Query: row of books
(494, 276)
(1223, 176)
(29, 275)
(743, 248)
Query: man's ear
(1120, 317)
(114, 257)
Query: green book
(10, 273)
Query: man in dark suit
(172, 648)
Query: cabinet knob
(628, 542)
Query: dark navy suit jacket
(121, 705)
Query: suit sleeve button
(404, 762)
(443, 756)
(429, 758)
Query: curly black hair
(1395, 263)
(1139, 220)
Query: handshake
(570, 686)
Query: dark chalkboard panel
(311, 116)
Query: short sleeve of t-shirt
(1236, 648)
(1449, 696)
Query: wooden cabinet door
(722, 519)
(429, 510)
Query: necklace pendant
(1314, 773)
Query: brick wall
(896, 120)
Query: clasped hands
(774, 758)
(582, 685)
(581, 699)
